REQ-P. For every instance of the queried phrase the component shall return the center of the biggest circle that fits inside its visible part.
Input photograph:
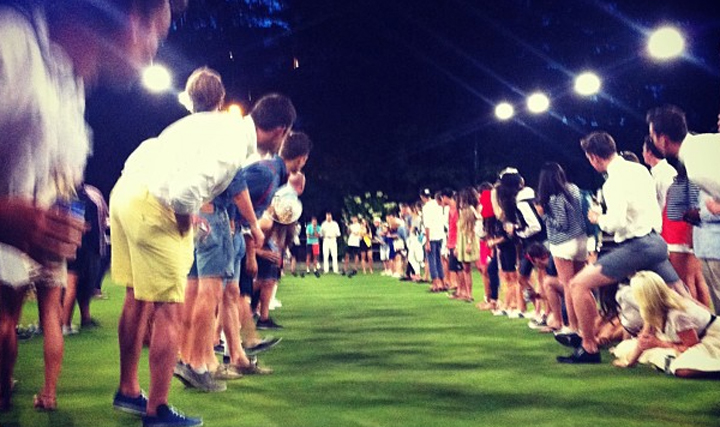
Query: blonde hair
(205, 89)
(654, 298)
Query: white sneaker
(499, 313)
(71, 330)
(275, 303)
(515, 314)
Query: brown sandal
(43, 402)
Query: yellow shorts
(147, 253)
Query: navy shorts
(649, 252)
(453, 263)
(267, 270)
(507, 255)
(214, 253)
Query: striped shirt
(564, 217)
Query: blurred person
(467, 249)
(164, 183)
(352, 250)
(330, 231)
(675, 197)
(487, 264)
(86, 270)
(683, 338)
(454, 267)
(433, 224)
(698, 153)
(706, 239)
(629, 156)
(312, 250)
(632, 216)
(366, 242)
(559, 203)
(50, 54)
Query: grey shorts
(649, 252)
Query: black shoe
(317, 274)
(294, 273)
(580, 356)
(265, 344)
(267, 324)
(352, 273)
(569, 340)
(342, 273)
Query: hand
(273, 257)
(593, 216)
(509, 228)
(540, 210)
(258, 236)
(713, 206)
(184, 222)
(648, 341)
(251, 266)
(43, 234)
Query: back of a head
(600, 144)
(552, 181)
(297, 144)
(205, 89)
(668, 120)
(649, 147)
(273, 111)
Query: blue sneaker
(131, 405)
(167, 416)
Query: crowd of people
(570, 253)
(203, 213)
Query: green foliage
(369, 205)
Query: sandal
(43, 402)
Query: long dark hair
(510, 185)
(552, 182)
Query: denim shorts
(649, 252)
(214, 252)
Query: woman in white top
(681, 337)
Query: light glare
(235, 109)
(504, 111)
(666, 43)
(538, 103)
(156, 78)
(587, 84)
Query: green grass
(372, 351)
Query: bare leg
(566, 271)
(163, 353)
(202, 323)
(131, 331)
(11, 303)
(68, 301)
(191, 294)
(230, 314)
(53, 344)
(248, 329)
(581, 287)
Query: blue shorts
(267, 270)
(649, 252)
(214, 253)
(238, 255)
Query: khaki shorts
(147, 253)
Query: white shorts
(574, 249)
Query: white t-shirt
(330, 230)
(354, 237)
(434, 220)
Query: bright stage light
(538, 103)
(504, 111)
(156, 78)
(587, 84)
(235, 110)
(666, 43)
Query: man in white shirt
(434, 222)
(353, 246)
(49, 53)
(700, 154)
(632, 217)
(330, 231)
(164, 183)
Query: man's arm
(245, 207)
(41, 233)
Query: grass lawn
(372, 351)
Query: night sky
(399, 95)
